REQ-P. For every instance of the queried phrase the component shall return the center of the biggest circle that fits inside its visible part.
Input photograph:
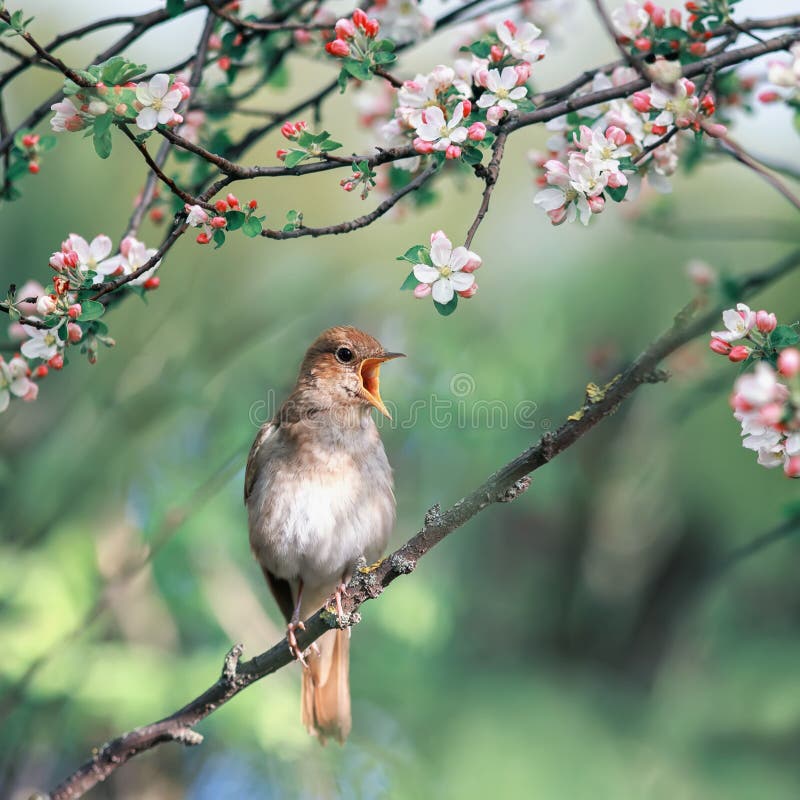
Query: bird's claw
(341, 591)
(294, 648)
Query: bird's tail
(325, 695)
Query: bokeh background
(570, 645)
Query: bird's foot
(341, 591)
(294, 648)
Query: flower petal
(442, 291)
(440, 251)
(426, 274)
(100, 247)
(459, 257)
(159, 84)
(147, 118)
(462, 280)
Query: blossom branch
(490, 176)
(369, 582)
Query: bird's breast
(320, 502)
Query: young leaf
(294, 157)
(409, 283)
(252, 227)
(446, 309)
(175, 7)
(235, 220)
(91, 309)
(102, 135)
(784, 336)
(418, 254)
(219, 238)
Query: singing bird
(319, 496)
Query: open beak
(369, 372)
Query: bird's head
(344, 365)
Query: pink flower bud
(616, 135)
(371, 28)
(45, 305)
(473, 263)
(453, 151)
(348, 186)
(360, 18)
(288, 130)
(421, 146)
(792, 467)
(641, 102)
(74, 311)
(659, 16)
(476, 132)
(765, 321)
(467, 293)
(738, 353)
(338, 48)
(523, 71)
(56, 362)
(214, 41)
(718, 346)
(675, 17)
(512, 28)
(345, 29)
(120, 109)
(643, 44)
(769, 96)
(233, 200)
(74, 332)
(616, 179)
(203, 238)
(466, 107)
(789, 362)
(224, 63)
(422, 290)
(281, 154)
(495, 114)
(218, 222)
(596, 203)
(698, 49)
(495, 53)
(558, 215)
(183, 89)
(482, 77)
(30, 140)
(302, 37)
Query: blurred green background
(565, 646)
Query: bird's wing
(251, 471)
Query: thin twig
(490, 177)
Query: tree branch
(369, 582)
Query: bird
(319, 493)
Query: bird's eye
(344, 355)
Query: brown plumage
(319, 495)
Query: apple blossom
(523, 42)
(13, 380)
(738, 322)
(438, 131)
(156, 102)
(630, 20)
(132, 255)
(766, 322)
(43, 343)
(195, 215)
(501, 88)
(401, 20)
(446, 276)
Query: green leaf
(342, 80)
(219, 238)
(410, 283)
(418, 254)
(175, 7)
(616, 194)
(672, 33)
(481, 49)
(235, 220)
(102, 135)
(784, 336)
(384, 58)
(252, 227)
(328, 145)
(446, 309)
(91, 309)
(472, 155)
(294, 157)
(357, 69)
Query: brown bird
(319, 496)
